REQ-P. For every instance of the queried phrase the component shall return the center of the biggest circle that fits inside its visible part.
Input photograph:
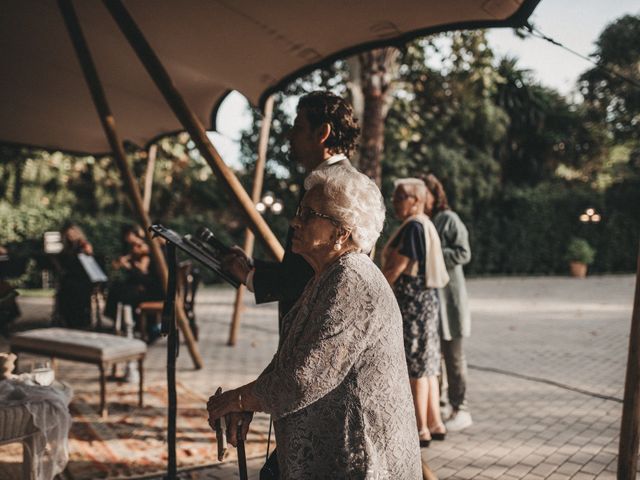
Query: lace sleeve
(321, 348)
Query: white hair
(354, 200)
(413, 185)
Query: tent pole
(258, 180)
(630, 424)
(191, 123)
(148, 177)
(109, 125)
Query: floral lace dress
(419, 305)
(338, 387)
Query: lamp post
(590, 216)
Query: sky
(574, 23)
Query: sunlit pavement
(547, 360)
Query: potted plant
(579, 255)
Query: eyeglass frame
(315, 213)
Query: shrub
(525, 230)
(579, 250)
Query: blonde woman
(414, 266)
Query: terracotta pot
(578, 269)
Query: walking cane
(221, 438)
(242, 458)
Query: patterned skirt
(420, 317)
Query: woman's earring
(337, 245)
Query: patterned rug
(131, 442)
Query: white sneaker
(446, 412)
(459, 421)
(132, 375)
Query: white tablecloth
(40, 414)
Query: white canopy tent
(208, 47)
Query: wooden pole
(630, 424)
(249, 239)
(192, 124)
(109, 125)
(148, 177)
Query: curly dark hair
(437, 190)
(325, 107)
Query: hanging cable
(535, 32)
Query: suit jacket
(284, 281)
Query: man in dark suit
(324, 134)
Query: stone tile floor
(547, 360)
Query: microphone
(209, 238)
(215, 250)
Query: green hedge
(527, 231)
(523, 232)
(22, 230)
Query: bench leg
(103, 388)
(29, 461)
(141, 386)
(142, 326)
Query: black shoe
(425, 443)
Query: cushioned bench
(100, 349)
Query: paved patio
(547, 361)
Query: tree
(444, 118)
(545, 130)
(371, 79)
(615, 101)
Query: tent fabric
(209, 47)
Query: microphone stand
(169, 328)
(210, 256)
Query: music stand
(210, 257)
(98, 278)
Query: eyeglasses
(401, 197)
(305, 213)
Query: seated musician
(140, 282)
(73, 296)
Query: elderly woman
(414, 266)
(454, 307)
(337, 388)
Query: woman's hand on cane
(233, 420)
(229, 405)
